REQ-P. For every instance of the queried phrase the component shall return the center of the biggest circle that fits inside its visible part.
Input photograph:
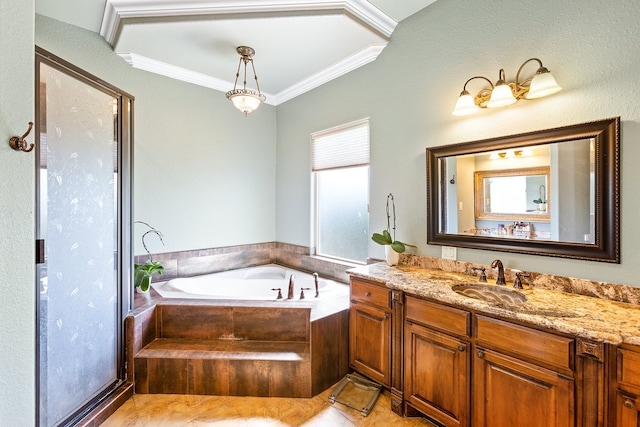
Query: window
(340, 168)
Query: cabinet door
(627, 410)
(370, 342)
(509, 392)
(436, 377)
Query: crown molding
(361, 11)
(162, 68)
(343, 67)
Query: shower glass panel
(80, 295)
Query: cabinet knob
(480, 354)
(629, 404)
(367, 294)
(462, 347)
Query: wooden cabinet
(627, 390)
(510, 392)
(370, 331)
(509, 374)
(437, 361)
(522, 376)
(462, 368)
(627, 409)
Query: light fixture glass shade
(543, 84)
(465, 105)
(501, 96)
(245, 100)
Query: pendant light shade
(246, 100)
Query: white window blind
(347, 145)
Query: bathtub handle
(279, 292)
(315, 280)
(302, 292)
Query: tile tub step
(224, 368)
(226, 349)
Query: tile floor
(166, 410)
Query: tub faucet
(500, 279)
(290, 293)
(315, 279)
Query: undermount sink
(491, 294)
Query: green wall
(17, 295)
(411, 89)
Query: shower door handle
(40, 251)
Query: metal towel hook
(18, 143)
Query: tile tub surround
(595, 311)
(213, 260)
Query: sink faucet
(290, 293)
(500, 279)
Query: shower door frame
(124, 134)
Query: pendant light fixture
(246, 100)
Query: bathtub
(251, 284)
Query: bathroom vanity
(559, 359)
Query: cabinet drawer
(447, 319)
(537, 346)
(370, 293)
(628, 374)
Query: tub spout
(291, 281)
(315, 279)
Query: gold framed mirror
(581, 217)
(510, 194)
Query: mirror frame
(479, 195)
(606, 246)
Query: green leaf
(146, 283)
(398, 246)
(143, 273)
(382, 239)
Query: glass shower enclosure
(83, 231)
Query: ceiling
(299, 44)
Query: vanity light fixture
(502, 93)
(246, 100)
(511, 154)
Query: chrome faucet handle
(483, 273)
(518, 282)
(302, 292)
(279, 292)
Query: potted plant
(393, 248)
(143, 272)
(541, 201)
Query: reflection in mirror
(516, 194)
(552, 192)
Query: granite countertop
(582, 316)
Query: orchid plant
(143, 272)
(388, 236)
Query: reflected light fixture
(502, 93)
(246, 100)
